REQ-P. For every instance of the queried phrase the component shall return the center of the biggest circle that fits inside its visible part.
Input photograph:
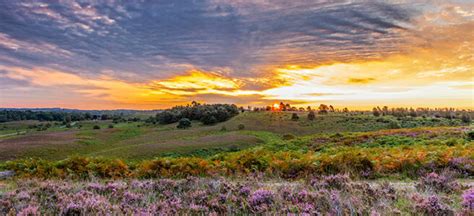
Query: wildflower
(29, 211)
(468, 199)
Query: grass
(137, 141)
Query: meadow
(258, 162)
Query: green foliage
(394, 124)
(184, 123)
(111, 126)
(206, 113)
(96, 127)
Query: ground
(136, 141)
(256, 162)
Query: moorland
(222, 159)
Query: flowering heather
(222, 196)
(431, 205)
(468, 200)
(437, 182)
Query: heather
(333, 195)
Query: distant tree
(345, 110)
(466, 118)
(385, 110)
(331, 108)
(104, 117)
(323, 109)
(96, 127)
(184, 123)
(375, 112)
(412, 113)
(282, 106)
(111, 126)
(294, 117)
(301, 109)
(311, 115)
(67, 118)
(308, 108)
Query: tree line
(20, 115)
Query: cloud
(160, 52)
(360, 80)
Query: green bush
(394, 125)
(184, 123)
(96, 127)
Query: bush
(184, 123)
(294, 117)
(111, 126)
(438, 183)
(96, 127)
(241, 127)
(311, 116)
(466, 118)
(470, 135)
(288, 137)
(394, 125)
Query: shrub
(96, 127)
(470, 135)
(184, 123)
(241, 126)
(466, 118)
(431, 205)
(294, 117)
(111, 126)
(288, 137)
(438, 183)
(394, 125)
(311, 116)
(468, 200)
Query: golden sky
(250, 53)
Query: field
(256, 162)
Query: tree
(311, 115)
(345, 110)
(184, 123)
(412, 112)
(375, 112)
(323, 109)
(294, 117)
(308, 108)
(96, 127)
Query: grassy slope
(128, 141)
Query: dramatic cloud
(152, 54)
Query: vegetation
(333, 194)
(254, 163)
(206, 113)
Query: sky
(156, 54)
